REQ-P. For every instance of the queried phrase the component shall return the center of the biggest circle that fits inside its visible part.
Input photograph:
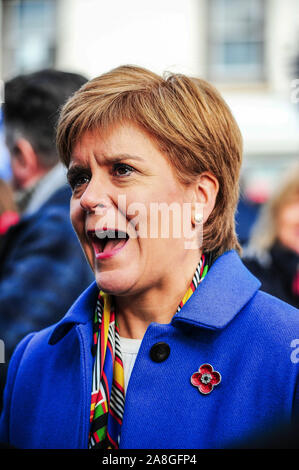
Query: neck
(157, 304)
(33, 179)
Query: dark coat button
(159, 352)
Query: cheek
(76, 216)
(285, 222)
(158, 214)
(78, 221)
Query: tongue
(113, 244)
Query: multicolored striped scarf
(108, 395)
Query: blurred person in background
(272, 254)
(246, 215)
(251, 199)
(42, 269)
(8, 209)
(172, 346)
(5, 167)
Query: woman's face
(288, 226)
(118, 180)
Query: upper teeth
(109, 234)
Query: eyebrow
(75, 168)
(120, 157)
(115, 158)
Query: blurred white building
(245, 47)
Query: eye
(78, 180)
(122, 169)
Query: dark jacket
(277, 272)
(244, 334)
(42, 271)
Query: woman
(175, 296)
(273, 251)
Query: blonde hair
(264, 232)
(186, 117)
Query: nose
(95, 198)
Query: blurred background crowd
(249, 49)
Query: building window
(236, 40)
(28, 35)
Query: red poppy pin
(205, 379)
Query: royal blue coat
(246, 335)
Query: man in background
(42, 266)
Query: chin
(115, 283)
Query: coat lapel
(224, 292)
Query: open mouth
(107, 242)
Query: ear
(24, 162)
(205, 192)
